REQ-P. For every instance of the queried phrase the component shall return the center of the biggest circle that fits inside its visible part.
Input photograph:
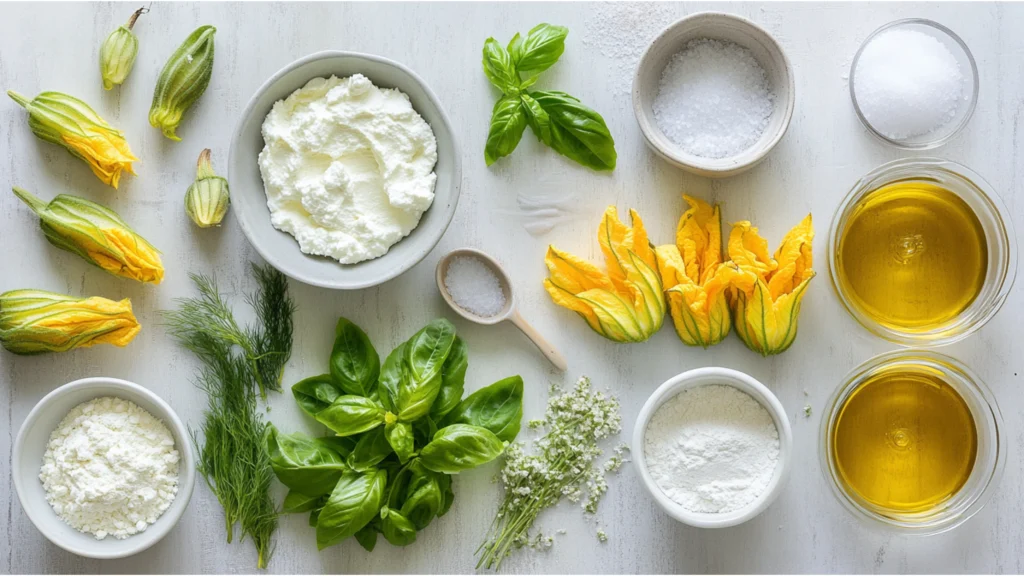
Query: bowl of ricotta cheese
(344, 170)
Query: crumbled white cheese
(110, 468)
(348, 167)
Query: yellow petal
(671, 266)
(33, 322)
(649, 297)
(794, 258)
(749, 251)
(567, 299)
(766, 325)
(574, 274)
(141, 260)
(106, 152)
(615, 237)
(616, 316)
(699, 239)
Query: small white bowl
(719, 26)
(249, 200)
(30, 446)
(744, 383)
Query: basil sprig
(557, 119)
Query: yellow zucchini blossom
(97, 234)
(35, 321)
(624, 304)
(71, 123)
(766, 291)
(695, 278)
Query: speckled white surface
(53, 47)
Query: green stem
(32, 200)
(21, 100)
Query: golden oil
(912, 255)
(904, 440)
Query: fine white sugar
(474, 286)
(714, 100)
(908, 84)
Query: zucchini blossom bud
(118, 52)
(207, 199)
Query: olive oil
(904, 440)
(912, 256)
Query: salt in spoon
(509, 312)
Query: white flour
(712, 448)
(110, 468)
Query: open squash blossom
(627, 303)
(695, 278)
(766, 291)
(35, 321)
(97, 234)
(71, 123)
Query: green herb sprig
(236, 363)
(557, 119)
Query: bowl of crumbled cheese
(713, 94)
(713, 447)
(103, 467)
(344, 170)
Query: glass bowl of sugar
(914, 84)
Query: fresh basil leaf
(541, 48)
(398, 481)
(398, 530)
(572, 129)
(453, 381)
(401, 439)
(460, 447)
(371, 449)
(343, 445)
(355, 365)
(354, 502)
(425, 354)
(349, 415)
(423, 431)
(316, 393)
(295, 502)
(498, 67)
(314, 516)
(424, 495)
(515, 49)
(391, 376)
(446, 492)
(367, 536)
(498, 408)
(302, 463)
(508, 121)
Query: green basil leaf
(400, 438)
(572, 129)
(371, 449)
(398, 530)
(542, 47)
(498, 408)
(515, 48)
(314, 516)
(367, 537)
(391, 376)
(398, 481)
(316, 393)
(354, 502)
(453, 381)
(349, 415)
(343, 445)
(423, 431)
(449, 496)
(508, 121)
(498, 67)
(295, 502)
(355, 365)
(425, 354)
(424, 495)
(304, 464)
(460, 447)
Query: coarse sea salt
(474, 286)
(907, 84)
(714, 99)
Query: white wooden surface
(53, 47)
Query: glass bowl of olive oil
(922, 252)
(913, 440)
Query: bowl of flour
(103, 467)
(713, 447)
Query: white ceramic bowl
(742, 382)
(670, 42)
(249, 201)
(28, 458)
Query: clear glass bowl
(968, 67)
(999, 236)
(989, 461)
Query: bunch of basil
(401, 430)
(558, 119)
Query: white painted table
(53, 47)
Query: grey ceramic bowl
(30, 445)
(249, 200)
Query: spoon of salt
(479, 290)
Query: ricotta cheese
(348, 167)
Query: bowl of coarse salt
(103, 467)
(713, 94)
(713, 447)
